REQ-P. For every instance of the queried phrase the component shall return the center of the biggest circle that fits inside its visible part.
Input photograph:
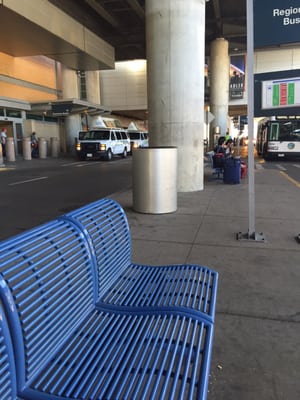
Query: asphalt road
(41, 190)
(36, 191)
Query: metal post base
(298, 238)
(256, 237)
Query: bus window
(274, 132)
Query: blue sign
(276, 22)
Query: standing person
(34, 146)
(3, 137)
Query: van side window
(124, 135)
(113, 137)
(118, 134)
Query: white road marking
(259, 166)
(27, 181)
(280, 167)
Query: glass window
(274, 131)
(96, 135)
(118, 134)
(13, 113)
(82, 85)
(124, 135)
(134, 135)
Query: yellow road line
(296, 183)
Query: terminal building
(175, 68)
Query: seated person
(221, 146)
(228, 148)
(220, 153)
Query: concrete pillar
(92, 79)
(10, 149)
(27, 148)
(219, 85)
(72, 122)
(175, 35)
(72, 127)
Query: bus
(278, 138)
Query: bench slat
(122, 283)
(189, 286)
(7, 365)
(53, 289)
(87, 324)
(126, 356)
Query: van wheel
(124, 153)
(109, 155)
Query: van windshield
(96, 135)
(134, 135)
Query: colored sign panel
(280, 93)
(237, 77)
(276, 22)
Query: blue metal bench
(8, 386)
(67, 347)
(192, 288)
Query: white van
(138, 139)
(103, 143)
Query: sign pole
(251, 234)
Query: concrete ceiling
(122, 23)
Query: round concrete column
(10, 149)
(219, 85)
(175, 35)
(27, 148)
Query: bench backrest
(47, 285)
(7, 364)
(105, 225)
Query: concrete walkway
(256, 354)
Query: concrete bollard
(10, 149)
(42, 148)
(27, 148)
(54, 147)
(1, 156)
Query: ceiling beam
(137, 8)
(103, 13)
(218, 17)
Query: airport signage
(276, 22)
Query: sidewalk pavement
(256, 353)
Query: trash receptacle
(155, 180)
(232, 170)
